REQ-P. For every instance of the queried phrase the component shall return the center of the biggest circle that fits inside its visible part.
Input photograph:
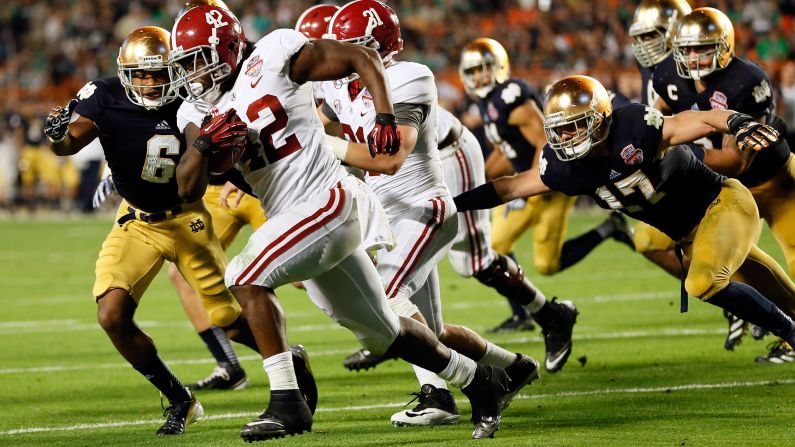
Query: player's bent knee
(222, 309)
(403, 307)
(704, 284)
(546, 267)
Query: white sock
(424, 376)
(460, 371)
(497, 356)
(281, 373)
(537, 303)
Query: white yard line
(345, 351)
(604, 391)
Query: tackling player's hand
(57, 122)
(104, 190)
(384, 139)
(751, 134)
(221, 132)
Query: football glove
(221, 132)
(57, 122)
(384, 139)
(751, 134)
(104, 190)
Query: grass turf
(640, 374)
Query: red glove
(384, 139)
(221, 132)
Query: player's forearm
(358, 156)
(67, 146)
(192, 175)
(367, 63)
(690, 125)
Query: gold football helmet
(194, 3)
(577, 113)
(705, 32)
(479, 58)
(652, 28)
(146, 49)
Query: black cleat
(557, 336)
(303, 372)
(287, 414)
(222, 379)
(514, 323)
(737, 329)
(364, 359)
(179, 415)
(487, 393)
(436, 407)
(621, 230)
(780, 352)
(758, 332)
(522, 372)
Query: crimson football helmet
(369, 23)
(313, 23)
(207, 44)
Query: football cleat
(780, 352)
(758, 332)
(522, 372)
(222, 379)
(737, 329)
(487, 394)
(287, 414)
(303, 373)
(364, 359)
(621, 230)
(179, 415)
(436, 407)
(557, 336)
(514, 323)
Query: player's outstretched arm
(67, 133)
(690, 125)
(502, 190)
(192, 172)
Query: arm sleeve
(90, 102)
(410, 114)
(483, 197)
(329, 112)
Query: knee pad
(222, 309)
(702, 283)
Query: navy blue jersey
(495, 110)
(647, 95)
(742, 86)
(142, 146)
(671, 194)
(618, 99)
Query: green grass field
(646, 375)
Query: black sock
(517, 309)
(747, 303)
(218, 343)
(577, 248)
(546, 315)
(164, 380)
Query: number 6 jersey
(671, 194)
(288, 162)
(142, 146)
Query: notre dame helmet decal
(652, 28)
(487, 56)
(704, 33)
(146, 49)
(577, 112)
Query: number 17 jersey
(286, 161)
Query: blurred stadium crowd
(50, 48)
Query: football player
(411, 187)
(320, 221)
(635, 160)
(509, 108)
(134, 117)
(704, 74)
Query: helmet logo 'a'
(373, 20)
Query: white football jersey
(444, 122)
(420, 177)
(289, 163)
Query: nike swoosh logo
(364, 113)
(562, 355)
(413, 415)
(254, 84)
